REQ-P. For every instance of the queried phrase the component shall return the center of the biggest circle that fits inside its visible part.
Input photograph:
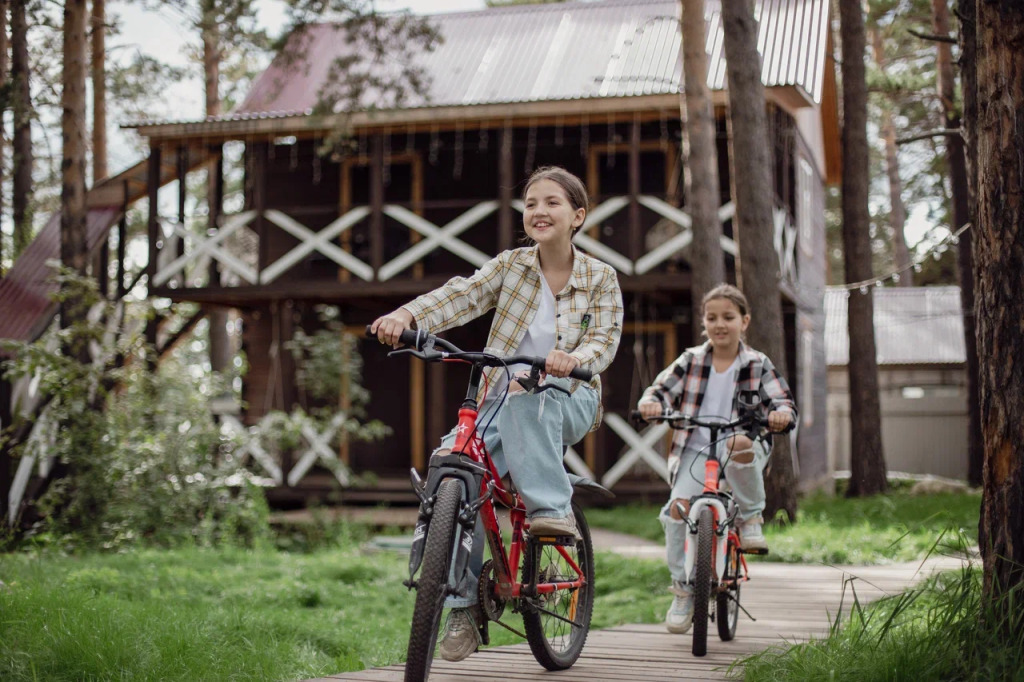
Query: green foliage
(898, 526)
(943, 630)
(139, 457)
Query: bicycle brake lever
(419, 354)
(552, 387)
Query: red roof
(25, 305)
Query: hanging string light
(457, 166)
(484, 138)
(386, 166)
(410, 140)
(435, 146)
(558, 131)
(935, 252)
(316, 160)
(585, 136)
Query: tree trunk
(700, 162)
(21, 107)
(220, 342)
(999, 307)
(961, 216)
(897, 212)
(99, 92)
(867, 461)
(758, 262)
(3, 148)
(73, 252)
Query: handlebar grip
(581, 374)
(409, 337)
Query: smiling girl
(551, 301)
(706, 381)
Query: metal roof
(913, 326)
(555, 52)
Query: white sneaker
(680, 614)
(461, 637)
(752, 536)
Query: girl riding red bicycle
(706, 381)
(552, 301)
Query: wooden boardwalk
(790, 602)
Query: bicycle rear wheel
(728, 602)
(557, 624)
(432, 586)
(702, 579)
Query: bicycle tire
(546, 634)
(702, 579)
(432, 586)
(728, 608)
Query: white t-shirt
(539, 339)
(717, 403)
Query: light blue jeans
(532, 428)
(745, 480)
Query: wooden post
(505, 184)
(153, 185)
(216, 207)
(259, 201)
(182, 194)
(6, 476)
(122, 234)
(635, 236)
(377, 205)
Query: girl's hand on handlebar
(559, 363)
(389, 328)
(777, 421)
(650, 408)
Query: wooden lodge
(431, 190)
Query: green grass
(237, 615)
(837, 530)
(943, 630)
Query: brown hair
(728, 292)
(574, 188)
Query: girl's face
(549, 217)
(724, 323)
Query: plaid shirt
(588, 309)
(683, 383)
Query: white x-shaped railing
(444, 237)
(785, 244)
(249, 441)
(310, 241)
(319, 448)
(196, 248)
(640, 448)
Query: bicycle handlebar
(422, 341)
(743, 420)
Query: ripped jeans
(746, 481)
(533, 428)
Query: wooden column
(216, 204)
(153, 185)
(377, 204)
(635, 235)
(6, 473)
(259, 200)
(182, 194)
(505, 185)
(122, 234)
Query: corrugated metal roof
(913, 326)
(576, 50)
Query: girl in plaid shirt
(552, 301)
(706, 381)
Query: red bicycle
(718, 565)
(554, 593)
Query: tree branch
(930, 134)
(933, 38)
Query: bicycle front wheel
(557, 623)
(702, 577)
(432, 586)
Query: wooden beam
(635, 235)
(505, 183)
(153, 189)
(377, 204)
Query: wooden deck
(791, 603)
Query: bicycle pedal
(754, 552)
(564, 540)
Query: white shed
(919, 336)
